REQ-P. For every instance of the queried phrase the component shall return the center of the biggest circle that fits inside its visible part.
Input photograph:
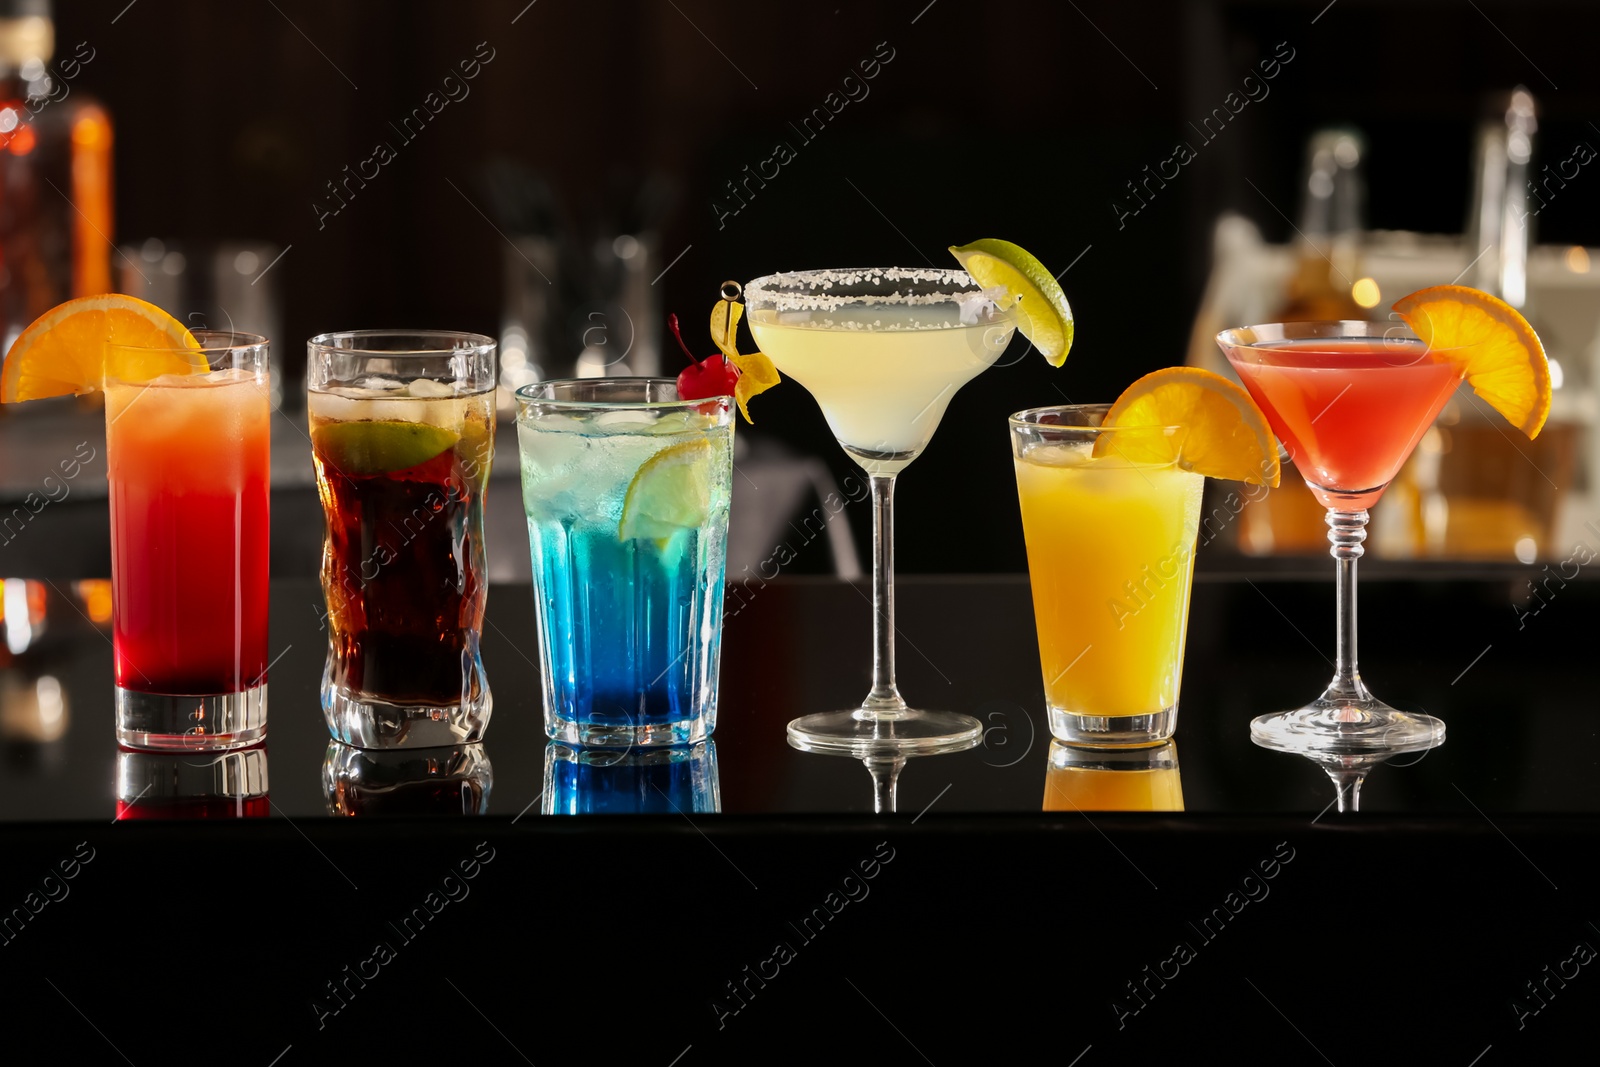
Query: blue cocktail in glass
(626, 490)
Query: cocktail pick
(756, 372)
(731, 373)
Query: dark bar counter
(797, 926)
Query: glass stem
(885, 780)
(1348, 783)
(1346, 531)
(884, 698)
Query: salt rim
(807, 292)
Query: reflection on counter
(192, 785)
(594, 781)
(1136, 779)
(422, 781)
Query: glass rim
(238, 340)
(452, 342)
(1371, 329)
(525, 395)
(844, 275)
(830, 289)
(1029, 417)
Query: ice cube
(671, 422)
(561, 424)
(427, 387)
(377, 384)
(332, 405)
(626, 418)
(545, 452)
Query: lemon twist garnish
(756, 372)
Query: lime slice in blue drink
(670, 492)
(379, 446)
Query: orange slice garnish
(1221, 433)
(70, 348)
(1499, 354)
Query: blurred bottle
(534, 275)
(1486, 491)
(223, 286)
(24, 605)
(1326, 282)
(55, 171)
(1328, 241)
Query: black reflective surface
(799, 927)
(1516, 689)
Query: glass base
(366, 722)
(1113, 731)
(1331, 726)
(166, 722)
(652, 735)
(867, 733)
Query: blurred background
(561, 175)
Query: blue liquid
(631, 629)
(581, 781)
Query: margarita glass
(1349, 400)
(882, 350)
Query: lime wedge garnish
(670, 492)
(378, 446)
(1046, 315)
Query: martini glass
(882, 350)
(1349, 400)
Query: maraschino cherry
(706, 378)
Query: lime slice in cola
(380, 446)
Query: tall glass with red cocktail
(188, 462)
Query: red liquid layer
(188, 470)
(194, 808)
(1348, 411)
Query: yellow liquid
(1093, 789)
(1111, 557)
(883, 376)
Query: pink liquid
(1348, 411)
(189, 479)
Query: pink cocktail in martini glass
(1349, 400)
